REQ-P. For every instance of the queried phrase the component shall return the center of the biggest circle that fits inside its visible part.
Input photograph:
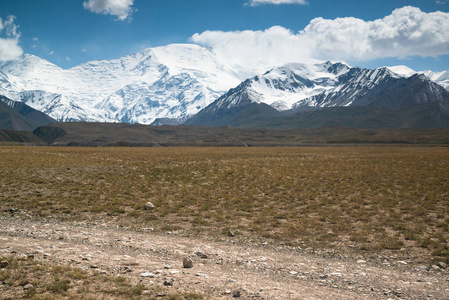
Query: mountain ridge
(170, 83)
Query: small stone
(230, 233)
(167, 267)
(236, 294)
(361, 261)
(201, 255)
(168, 281)
(27, 286)
(435, 267)
(293, 273)
(187, 262)
(174, 272)
(149, 206)
(94, 267)
(4, 264)
(442, 265)
(147, 274)
(160, 294)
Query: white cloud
(276, 2)
(9, 40)
(122, 9)
(406, 32)
(256, 51)
(51, 52)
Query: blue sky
(362, 33)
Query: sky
(361, 33)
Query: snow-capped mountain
(299, 87)
(174, 81)
(442, 78)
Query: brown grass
(371, 199)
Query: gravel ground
(227, 269)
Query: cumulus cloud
(406, 32)
(9, 40)
(122, 9)
(255, 50)
(276, 2)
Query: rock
(230, 233)
(168, 281)
(167, 267)
(94, 267)
(147, 274)
(160, 294)
(28, 286)
(187, 262)
(201, 255)
(236, 294)
(227, 292)
(442, 265)
(4, 264)
(293, 273)
(149, 206)
(435, 267)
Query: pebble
(187, 262)
(236, 294)
(147, 274)
(4, 264)
(442, 265)
(149, 206)
(27, 286)
(168, 281)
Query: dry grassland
(369, 199)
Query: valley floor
(221, 270)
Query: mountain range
(184, 83)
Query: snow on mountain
(285, 86)
(298, 87)
(174, 81)
(402, 70)
(442, 78)
(179, 80)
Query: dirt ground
(221, 270)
